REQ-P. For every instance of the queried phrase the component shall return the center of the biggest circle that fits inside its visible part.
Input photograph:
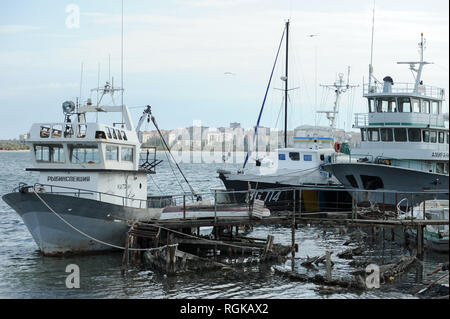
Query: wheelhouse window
(433, 136)
(414, 135)
(415, 105)
(82, 128)
(441, 137)
(45, 131)
(371, 105)
(118, 134)
(57, 131)
(426, 106)
(374, 135)
(386, 105)
(440, 168)
(294, 156)
(42, 153)
(400, 135)
(127, 154)
(125, 138)
(386, 135)
(426, 136)
(112, 153)
(307, 157)
(84, 154)
(404, 105)
(434, 107)
(363, 135)
(49, 153)
(108, 132)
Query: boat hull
(276, 199)
(99, 220)
(430, 241)
(367, 176)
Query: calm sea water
(25, 273)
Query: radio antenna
(371, 48)
(121, 65)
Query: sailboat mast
(286, 85)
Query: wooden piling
(420, 246)
(328, 265)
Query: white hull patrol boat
(294, 167)
(90, 181)
(404, 142)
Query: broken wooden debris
(356, 283)
(349, 253)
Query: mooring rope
(95, 239)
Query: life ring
(337, 147)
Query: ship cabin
(98, 160)
(405, 126)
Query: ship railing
(405, 88)
(295, 200)
(95, 195)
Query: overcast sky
(210, 60)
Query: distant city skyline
(209, 60)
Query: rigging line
(168, 149)
(265, 96)
(159, 189)
(92, 238)
(173, 172)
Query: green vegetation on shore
(12, 145)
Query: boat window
(371, 105)
(440, 168)
(404, 105)
(50, 153)
(374, 135)
(112, 153)
(352, 180)
(426, 136)
(282, 157)
(84, 154)
(448, 138)
(415, 105)
(118, 134)
(127, 154)
(400, 134)
(114, 134)
(434, 107)
(363, 135)
(414, 135)
(124, 136)
(433, 136)
(441, 137)
(68, 131)
(42, 153)
(82, 131)
(446, 168)
(307, 157)
(371, 182)
(100, 134)
(57, 154)
(386, 135)
(426, 106)
(294, 156)
(45, 131)
(387, 105)
(57, 131)
(108, 132)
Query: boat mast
(286, 85)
